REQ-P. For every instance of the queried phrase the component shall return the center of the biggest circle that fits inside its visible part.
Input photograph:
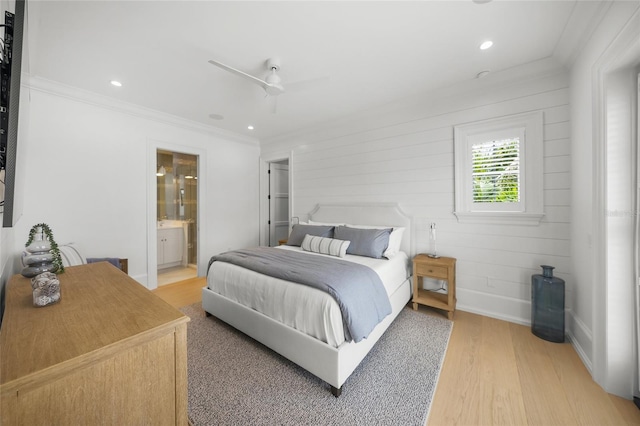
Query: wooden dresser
(109, 353)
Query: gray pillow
(364, 242)
(299, 231)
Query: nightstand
(441, 268)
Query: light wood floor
(182, 293)
(176, 274)
(498, 373)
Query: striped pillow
(322, 245)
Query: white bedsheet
(304, 308)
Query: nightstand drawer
(432, 271)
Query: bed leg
(336, 391)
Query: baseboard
(494, 306)
(581, 339)
(142, 279)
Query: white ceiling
(373, 53)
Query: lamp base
(433, 256)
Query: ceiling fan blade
(242, 74)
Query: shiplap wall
(406, 156)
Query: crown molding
(584, 20)
(90, 98)
(425, 102)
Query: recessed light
(250, 127)
(487, 44)
(116, 83)
(216, 117)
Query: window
(499, 170)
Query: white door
(278, 222)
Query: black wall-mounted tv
(11, 73)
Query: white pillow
(323, 245)
(395, 238)
(70, 255)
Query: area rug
(234, 380)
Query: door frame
(152, 207)
(264, 191)
(617, 376)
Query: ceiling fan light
(274, 89)
(273, 78)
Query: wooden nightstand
(283, 241)
(441, 268)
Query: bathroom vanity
(170, 246)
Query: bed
(316, 341)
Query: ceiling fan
(272, 82)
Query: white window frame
(530, 210)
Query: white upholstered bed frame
(333, 365)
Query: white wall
(404, 154)
(603, 312)
(87, 171)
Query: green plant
(57, 258)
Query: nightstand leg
(415, 306)
(450, 315)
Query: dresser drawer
(431, 271)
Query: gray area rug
(234, 380)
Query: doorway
(278, 198)
(177, 216)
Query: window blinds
(496, 171)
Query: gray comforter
(357, 288)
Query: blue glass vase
(547, 306)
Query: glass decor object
(38, 257)
(46, 289)
(547, 305)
